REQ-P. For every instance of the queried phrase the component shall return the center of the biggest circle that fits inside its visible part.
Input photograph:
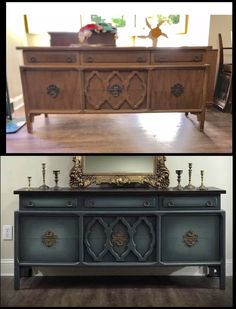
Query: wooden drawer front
(177, 89)
(49, 239)
(52, 202)
(49, 57)
(122, 239)
(189, 202)
(115, 90)
(120, 202)
(114, 57)
(172, 57)
(190, 238)
(52, 89)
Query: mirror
(119, 171)
(118, 165)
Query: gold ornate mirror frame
(159, 179)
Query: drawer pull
(197, 58)
(69, 204)
(91, 203)
(30, 204)
(162, 59)
(32, 59)
(140, 59)
(146, 204)
(90, 59)
(69, 59)
(170, 203)
(49, 238)
(209, 203)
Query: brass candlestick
(44, 186)
(179, 187)
(189, 186)
(56, 173)
(202, 187)
(29, 183)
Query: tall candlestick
(179, 187)
(189, 186)
(44, 186)
(202, 187)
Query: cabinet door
(48, 239)
(54, 89)
(178, 88)
(115, 90)
(111, 239)
(190, 238)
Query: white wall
(15, 169)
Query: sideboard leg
(186, 114)
(222, 276)
(46, 115)
(29, 123)
(17, 278)
(202, 120)
(31, 117)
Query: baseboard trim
(7, 269)
(17, 101)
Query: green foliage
(97, 19)
(170, 19)
(119, 22)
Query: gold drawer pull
(69, 59)
(146, 204)
(32, 59)
(170, 203)
(49, 238)
(69, 204)
(197, 58)
(90, 59)
(209, 203)
(140, 59)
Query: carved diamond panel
(115, 90)
(122, 238)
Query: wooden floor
(124, 133)
(184, 291)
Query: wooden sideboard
(119, 227)
(105, 79)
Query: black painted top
(170, 191)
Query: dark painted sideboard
(106, 79)
(119, 227)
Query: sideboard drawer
(52, 202)
(48, 239)
(114, 58)
(175, 57)
(49, 57)
(190, 238)
(189, 202)
(120, 202)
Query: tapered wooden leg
(202, 120)
(29, 123)
(46, 115)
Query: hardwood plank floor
(124, 133)
(172, 291)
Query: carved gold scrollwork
(119, 239)
(159, 179)
(190, 238)
(49, 238)
(177, 90)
